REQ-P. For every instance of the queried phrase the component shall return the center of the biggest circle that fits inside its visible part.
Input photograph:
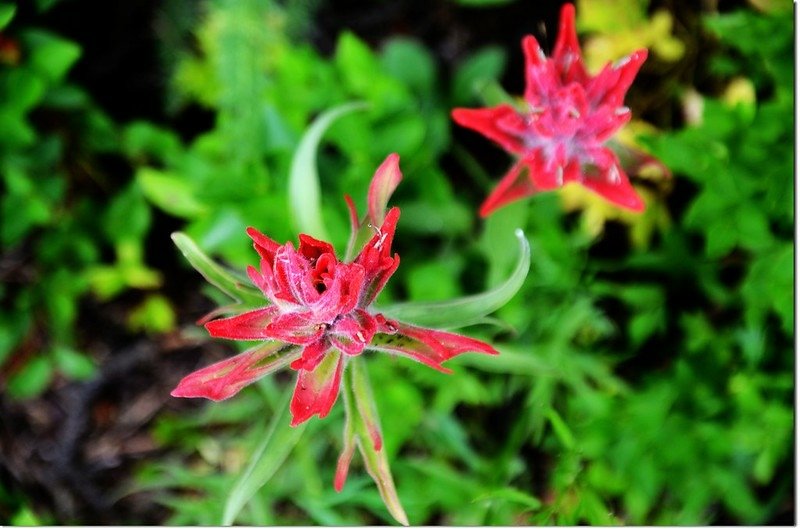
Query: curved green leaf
(226, 281)
(304, 193)
(468, 309)
(266, 459)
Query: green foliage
(53, 223)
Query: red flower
(319, 315)
(559, 137)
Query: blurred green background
(646, 373)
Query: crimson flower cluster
(559, 137)
(318, 314)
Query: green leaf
(468, 309)
(32, 379)
(7, 12)
(512, 495)
(169, 192)
(410, 62)
(128, 216)
(304, 192)
(476, 72)
(233, 286)
(154, 315)
(74, 364)
(561, 429)
(50, 56)
(267, 458)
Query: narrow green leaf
(304, 192)
(468, 309)
(7, 12)
(365, 423)
(170, 193)
(226, 281)
(267, 458)
(561, 429)
(512, 495)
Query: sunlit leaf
(236, 287)
(304, 190)
(468, 309)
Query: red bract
(319, 315)
(560, 136)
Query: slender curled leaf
(362, 420)
(235, 287)
(466, 310)
(266, 459)
(304, 193)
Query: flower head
(319, 313)
(569, 115)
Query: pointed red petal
(613, 81)
(265, 246)
(247, 326)
(534, 56)
(376, 258)
(500, 124)
(224, 379)
(615, 187)
(312, 248)
(258, 279)
(383, 184)
(312, 355)
(316, 391)
(514, 185)
(428, 346)
(343, 464)
(567, 52)
(351, 208)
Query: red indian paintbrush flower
(560, 136)
(319, 314)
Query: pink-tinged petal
(351, 208)
(567, 51)
(545, 174)
(342, 293)
(226, 378)
(316, 391)
(301, 328)
(293, 277)
(375, 257)
(265, 246)
(495, 123)
(613, 185)
(247, 326)
(534, 56)
(343, 464)
(313, 354)
(611, 84)
(312, 248)
(608, 121)
(515, 185)
(428, 346)
(352, 332)
(259, 280)
(383, 184)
